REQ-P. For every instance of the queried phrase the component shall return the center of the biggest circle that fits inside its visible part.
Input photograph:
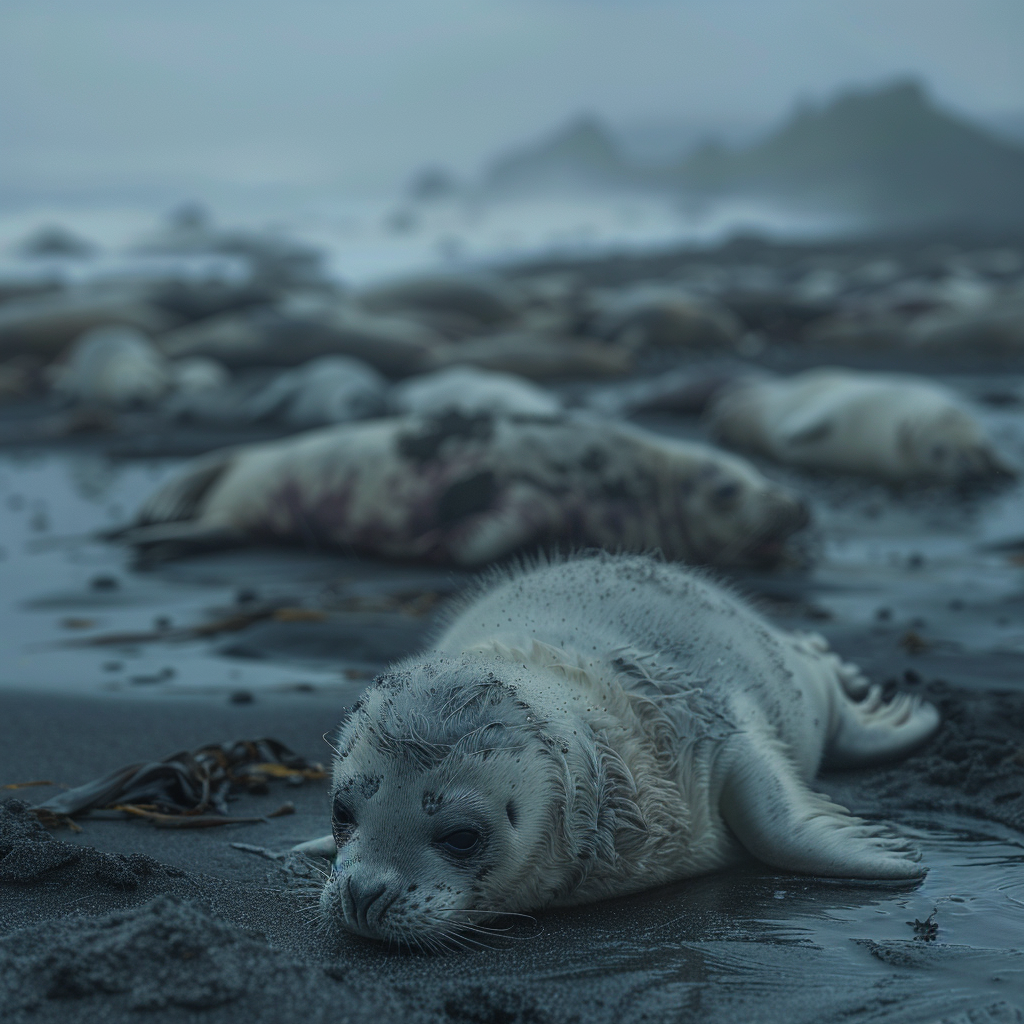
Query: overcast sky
(355, 95)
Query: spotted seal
(469, 490)
(593, 728)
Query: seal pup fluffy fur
(469, 490)
(593, 728)
(894, 426)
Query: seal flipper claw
(781, 821)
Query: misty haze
(512, 511)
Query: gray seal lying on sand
(590, 729)
(469, 490)
(894, 426)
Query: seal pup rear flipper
(779, 820)
(170, 523)
(184, 495)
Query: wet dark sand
(123, 921)
(195, 923)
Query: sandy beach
(108, 662)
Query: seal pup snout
(359, 898)
(743, 517)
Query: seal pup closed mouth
(593, 728)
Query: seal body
(469, 490)
(116, 366)
(590, 729)
(894, 426)
(332, 389)
(470, 391)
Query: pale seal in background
(469, 490)
(590, 729)
(117, 366)
(470, 391)
(332, 389)
(897, 427)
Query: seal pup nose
(358, 901)
(788, 512)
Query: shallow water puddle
(746, 945)
(59, 587)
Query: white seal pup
(333, 389)
(659, 317)
(469, 391)
(116, 366)
(897, 427)
(590, 729)
(469, 490)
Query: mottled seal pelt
(898, 427)
(469, 490)
(592, 728)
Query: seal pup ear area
(783, 823)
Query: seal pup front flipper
(782, 822)
(171, 522)
(184, 495)
(809, 424)
(156, 542)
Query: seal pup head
(455, 801)
(735, 515)
(946, 443)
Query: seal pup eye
(342, 822)
(462, 843)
